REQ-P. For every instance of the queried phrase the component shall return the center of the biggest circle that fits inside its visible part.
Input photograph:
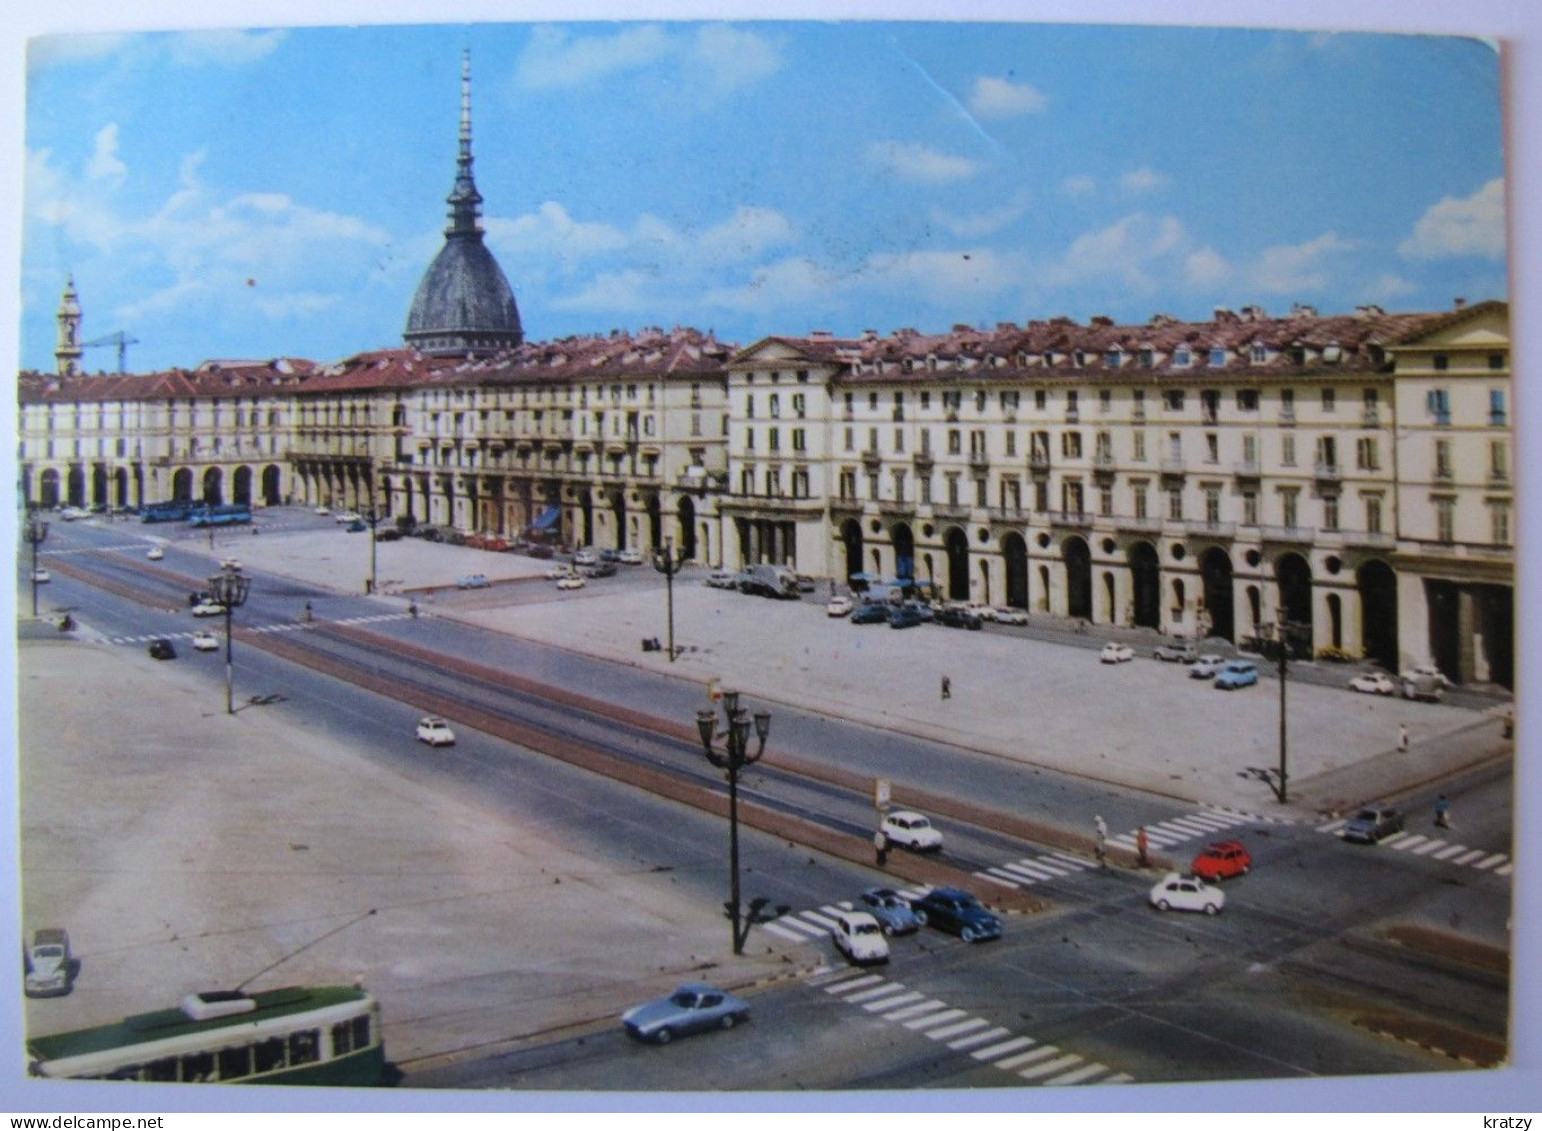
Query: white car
(1005, 614)
(70, 514)
(571, 581)
(722, 579)
(1114, 653)
(838, 607)
(559, 571)
(231, 564)
(323, 511)
(155, 553)
(858, 936)
(1178, 892)
(205, 642)
(1373, 683)
(979, 609)
(585, 556)
(41, 576)
(347, 516)
(1206, 667)
(435, 732)
(911, 830)
(208, 609)
(630, 556)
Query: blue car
(692, 1008)
(1235, 674)
(891, 909)
(904, 617)
(870, 614)
(958, 913)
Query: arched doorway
(1215, 573)
(120, 487)
(655, 523)
(1335, 620)
(182, 485)
(956, 545)
(851, 537)
(99, 486)
(685, 510)
(1378, 612)
(1145, 585)
(1110, 599)
(48, 489)
(1044, 588)
(270, 492)
(1014, 552)
(618, 512)
(241, 485)
(77, 487)
(1078, 577)
(904, 543)
(586, 508)
(1294, 577)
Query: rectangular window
(1329, 399)
(1212, 504)
(695, 423)
(955, 442)
(1140, 446)
(1438, 403)
(952, 490)
(797, 404)
(1250, 508)
(926, 440)
(1288, 450)
(851, 439)
(981, 496)
(1499, 522)
(775, 405)
(899, 439)
(1105, 400)
(1373, 514)
(1498, 460)
(1040, 399)
(1105, 500)
(1071, 445)
(1250, 449)
(774, 439)
(1212, 448)
(1011, 438)
(1139, 491)
(1496, 407)
(1175, 503)
(1367, 458)
(749, 406)
(749, 439)
(1288, 501)
(1247, 400)
(1173, 400)
(1445, 520)
(1330, 512)
(924, 486)
(1442, 459)
(799, 439)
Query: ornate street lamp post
(230, 588)
(36, 533)
(667, 563)
(1285, 633)
(372, 516)
(734, 757)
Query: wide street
(566, 858)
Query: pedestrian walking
(1442, 812)
(1141, 846)
(1100, 829)
(947, 688)
(881, 847)
(1402, 738)
(412, 609)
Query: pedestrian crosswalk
(1479, 859)
(808, 926)
(1030, 1060)
(1035, 869)
(283, 626)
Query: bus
(227, 514)
(177, 510)
(325, 1035)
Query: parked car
(870, 614)
(472, 581)
(347, 516)
(806, 584)
(723, 579)
(838, 607)
(958, 913)
(50, 971)
(1222, 859)
(904, 616)
(559, 571)
(161, 649)
(1235, 674)
(199, 596)
(859, 937)
(630, 556)
(891, 909)
(1177, 892)
(585, 556)
(1206, 667)
(540, 550)
(692, 1008)
(322, 512)
(208, 609)
(41, 576)
(1424, 681)
(155, 553)
(911, 830)
(610, 555)
(1373, 683)
(570, 581)
(205, 642)
(956, 616)
(357, 527)
(598, 569)
(435, 731)
(1006, 614)
(980, 609)
(1115, 653)
(1373, 823)
(1176, 652)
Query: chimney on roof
(1460, 302)
(1100, 320)
(1369, 310)
(820, 335)
(962, 327)
(869, 335)
(1254, 314)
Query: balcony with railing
(1207, 529)
(1296, 534)
(1146, 524)
(1078, 520)
(1012, 515)
(1038, 461)
(1327, 472)
(1369, 539)
(1246, 469)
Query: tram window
(127, 1072)
(235, 1062)
(358, 1032)
(268, 1055)
(304, 1046)
(197, 1067)
(342, 1039)
(163, 1069)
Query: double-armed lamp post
(733, 757)
(230, 588)
(668, 563)
(36, 533)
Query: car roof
(698, 988)
(1222, 845)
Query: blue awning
(547, 519)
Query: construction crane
(116, 338)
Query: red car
(1222, 859)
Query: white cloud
(1142, 180)
(1297, 268)
(1391, 286)
(1453, 227)
(916, 162)
(222, 46)
(998, 98)
(104, 163)
(1080, 185)
(555, 59)
(551, 233)
(49, 50)
(630, 290)
(748, 233)
(979, 223)
(1124, 250)
(733, 57)
(1205, 268)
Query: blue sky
(263, 193)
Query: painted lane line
(1485, 865)
(1447, 853)
(935, 1019)
(978, 1038)
(1002, 1049)
(1033, 875)
(1468, 857)
(809, 929)
(962, 1027)
(1049, 1068)
(893, 1001)
(1077, 1076)
(996, 880)
(852, 984)
(1120, 1078)
(1333, 826)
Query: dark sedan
(958, 913)
(870, 614)
(904, 616)
(161, 649)
(959, 618)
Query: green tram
(299, 1035)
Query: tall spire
(67, 352)
(464, 200)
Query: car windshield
(49, 952)
(865, 929)
(1366, 815)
